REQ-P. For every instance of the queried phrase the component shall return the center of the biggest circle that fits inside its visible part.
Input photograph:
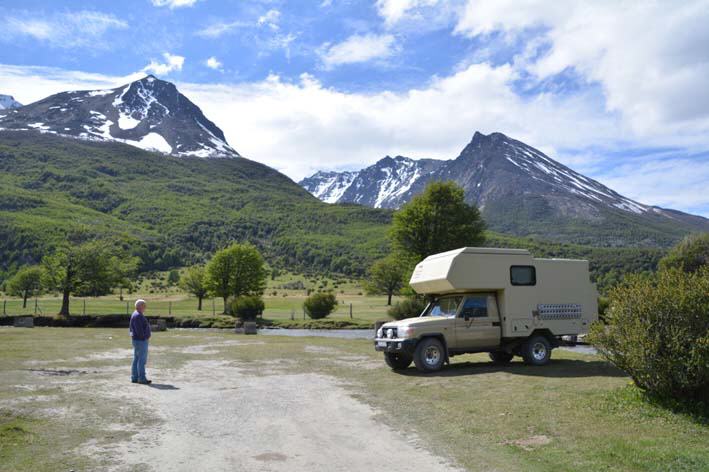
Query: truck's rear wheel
(501, 357)
(536, 351)
(397, 360)
(429, 355)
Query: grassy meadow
(282, 304)
(65, 398)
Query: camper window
(444, 306)
(523, 275)
(474, 307)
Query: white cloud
(651, 58)
(270, 19)
(394, 11)
(218, 29)
(213, 63)
(172, 4)
(358, 48)
(172, 62)
(63, 30)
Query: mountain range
(520, 191)
(141, 164)
(149, 113)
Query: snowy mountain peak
(148, 113)
(8, 102)
(519, 189)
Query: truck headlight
(405, 332)
(379, 333)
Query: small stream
(369, 334)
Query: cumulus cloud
(213, 63)
(394, 11)
(172, 4)
(62, 30)
(358, 48)
(172, 62)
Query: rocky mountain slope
(8, 101)
(149, 113)
(521, 191)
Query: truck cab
(490, 300)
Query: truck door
(478, 323)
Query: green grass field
(163, 300)
(577, 413)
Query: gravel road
(213, 416)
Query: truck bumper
(406, 346)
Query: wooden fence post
(4, 307)
(127, 309)
(169, 308)
(214, 310)
(84, 300)
(350, 310)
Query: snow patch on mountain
(8, 102)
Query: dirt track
(213, 416)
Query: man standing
(140, 333)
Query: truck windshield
(444, 306)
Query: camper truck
(501, 301)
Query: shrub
(407, 308)
(658, 332)
(247, 307)
(319, 305)
(690, 254)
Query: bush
(319, 305)
(407, 308)
(247, 307)
(690, 254)
(658, 332)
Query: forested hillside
(173, 211)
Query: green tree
(125, 269)
(319, 305)
(689, 254)
(247, 307)
(25, 283)
(435, 221)
(173, 277)
(194, 281)
(386, 276)
(235, 271)
(81, 269)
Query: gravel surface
(214, 416)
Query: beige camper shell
(559, 296)
(501, 301)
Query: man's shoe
(134, 381)
(145, 382)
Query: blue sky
(616, 91)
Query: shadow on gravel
(562, 368)
(163, 386)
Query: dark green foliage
(82, 268)
(386, 277)
(25, 283)
(194, 281)
(247, 307)
(173, 277)
(689, 254)
(407, 308)
(174, 211)
(657, 330)
(236, 271)
(319, 305)
(435, 221)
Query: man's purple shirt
(139, 326)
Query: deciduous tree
(435, 221)
(25, 283)
(194, 281)
(235, 271)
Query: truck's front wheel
(397, 360)
(536, 351)
(429, 355)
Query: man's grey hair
(139, 302)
